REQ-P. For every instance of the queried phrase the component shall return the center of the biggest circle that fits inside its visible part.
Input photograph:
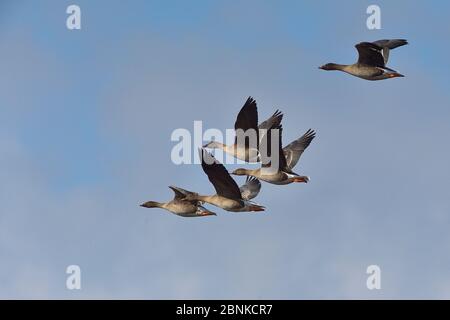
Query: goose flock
(371, 65)
(228, 195)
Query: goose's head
(329, 66)
(151, 204)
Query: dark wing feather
(370, 54)
(390, 43)
(180, 194)
(274, 120)
(274, 133)
(219, 177)
(247, 118)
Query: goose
(288, 157)
(180, 206)
(228, 195)
(247, 119)
(371, 64)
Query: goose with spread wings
(180, 206)
(228, 194)
(246, 125)
(371, 64)
(279, 169)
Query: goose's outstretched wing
(274, 120)
(389, 44)
(247, 118)
(219, 177)
(250, 189)
(276, 154)
(295, 149)
(181, 193)
(370, 55)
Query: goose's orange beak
(256, 208)
(395, 75)
(207, 213)
(300, 179)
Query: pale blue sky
(85, 124)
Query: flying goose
(371, 64)
(180, 206)
(287, 159)
(247, 118)
(228, 195)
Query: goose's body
(364, 71)
(372, 60)
(179, 206)
(244, 148)
(222, 202)
(287, 159)
(236, 150)
(279, 177)
(228, 195)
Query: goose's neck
(154, 204)
(342, 67)
(203, 198)
(252, 172)
(217, 145)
